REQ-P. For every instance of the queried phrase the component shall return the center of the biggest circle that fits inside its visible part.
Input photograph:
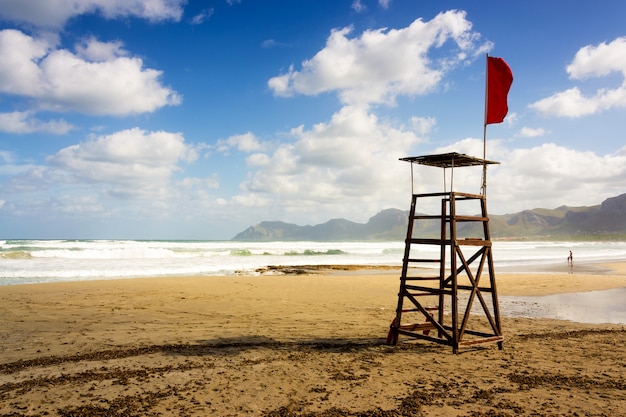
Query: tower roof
(448, 160)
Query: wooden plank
(416, 260)
(429, 217)
(485, 340)
(423, 289)
(473, 242)
(436, 242)
(417, 327)
(420, 278)
(421, 336)
(470, 288)
(471, 219)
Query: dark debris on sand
(179, 385)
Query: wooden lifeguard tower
(447, 287)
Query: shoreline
(292, 345)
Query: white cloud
(349, 162)
(423, 125)
(354, 174)
(246, 142)
(550, 176)
(268, 43)
(19, 57)
(91, 49)
(384, 3)
(546, 176)
(358, 7)
(568, 103)
(528, 132)
(202, 17)
(128, 176)
(133, 162)
(100, 79)
(53, 14)
(599, 61)
(24, 122)
(6, 156)
(258, 160)
(273, 43)
(382, 64)
(211, 182)
(590, 61)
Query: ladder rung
(421, 294)
(421, 278)
(417, 326)
(471, 219)
(428, 292)
(470, 288)
(473, 242)
(430, 241)
(468, 196)
(424, 260)
(414, 310)
(419, 288)
(429, 217)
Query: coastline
(293, 345)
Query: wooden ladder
(432, 288)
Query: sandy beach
(294, 345)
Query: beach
(307, 344)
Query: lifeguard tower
(447, 286)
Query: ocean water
(40, 261)
(37, 261)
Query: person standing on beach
(570, 259)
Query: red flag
(499, 80)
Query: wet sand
(310, 344)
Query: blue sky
(173, 119)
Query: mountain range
(606, 221)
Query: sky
(195, 119)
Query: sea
(40, 261)
(44, 261)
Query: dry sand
(293, 345)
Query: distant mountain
(605, 221)
(387, 225)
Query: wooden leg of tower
(442, 262)
(453, 276)
(394, 331)
(492, 274)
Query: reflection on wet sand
(593, 307)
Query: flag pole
(483, 188)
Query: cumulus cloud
(381, 64)
(529, 132)
(25, 122)
(590, 61)
(554, 175)
(351, 159)
(351, 172)
(247, 142)
(544, 176)
(100, 78)
(53, 14)
(423, 125)
(132, 160)
(129, 174)
(91, 49)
